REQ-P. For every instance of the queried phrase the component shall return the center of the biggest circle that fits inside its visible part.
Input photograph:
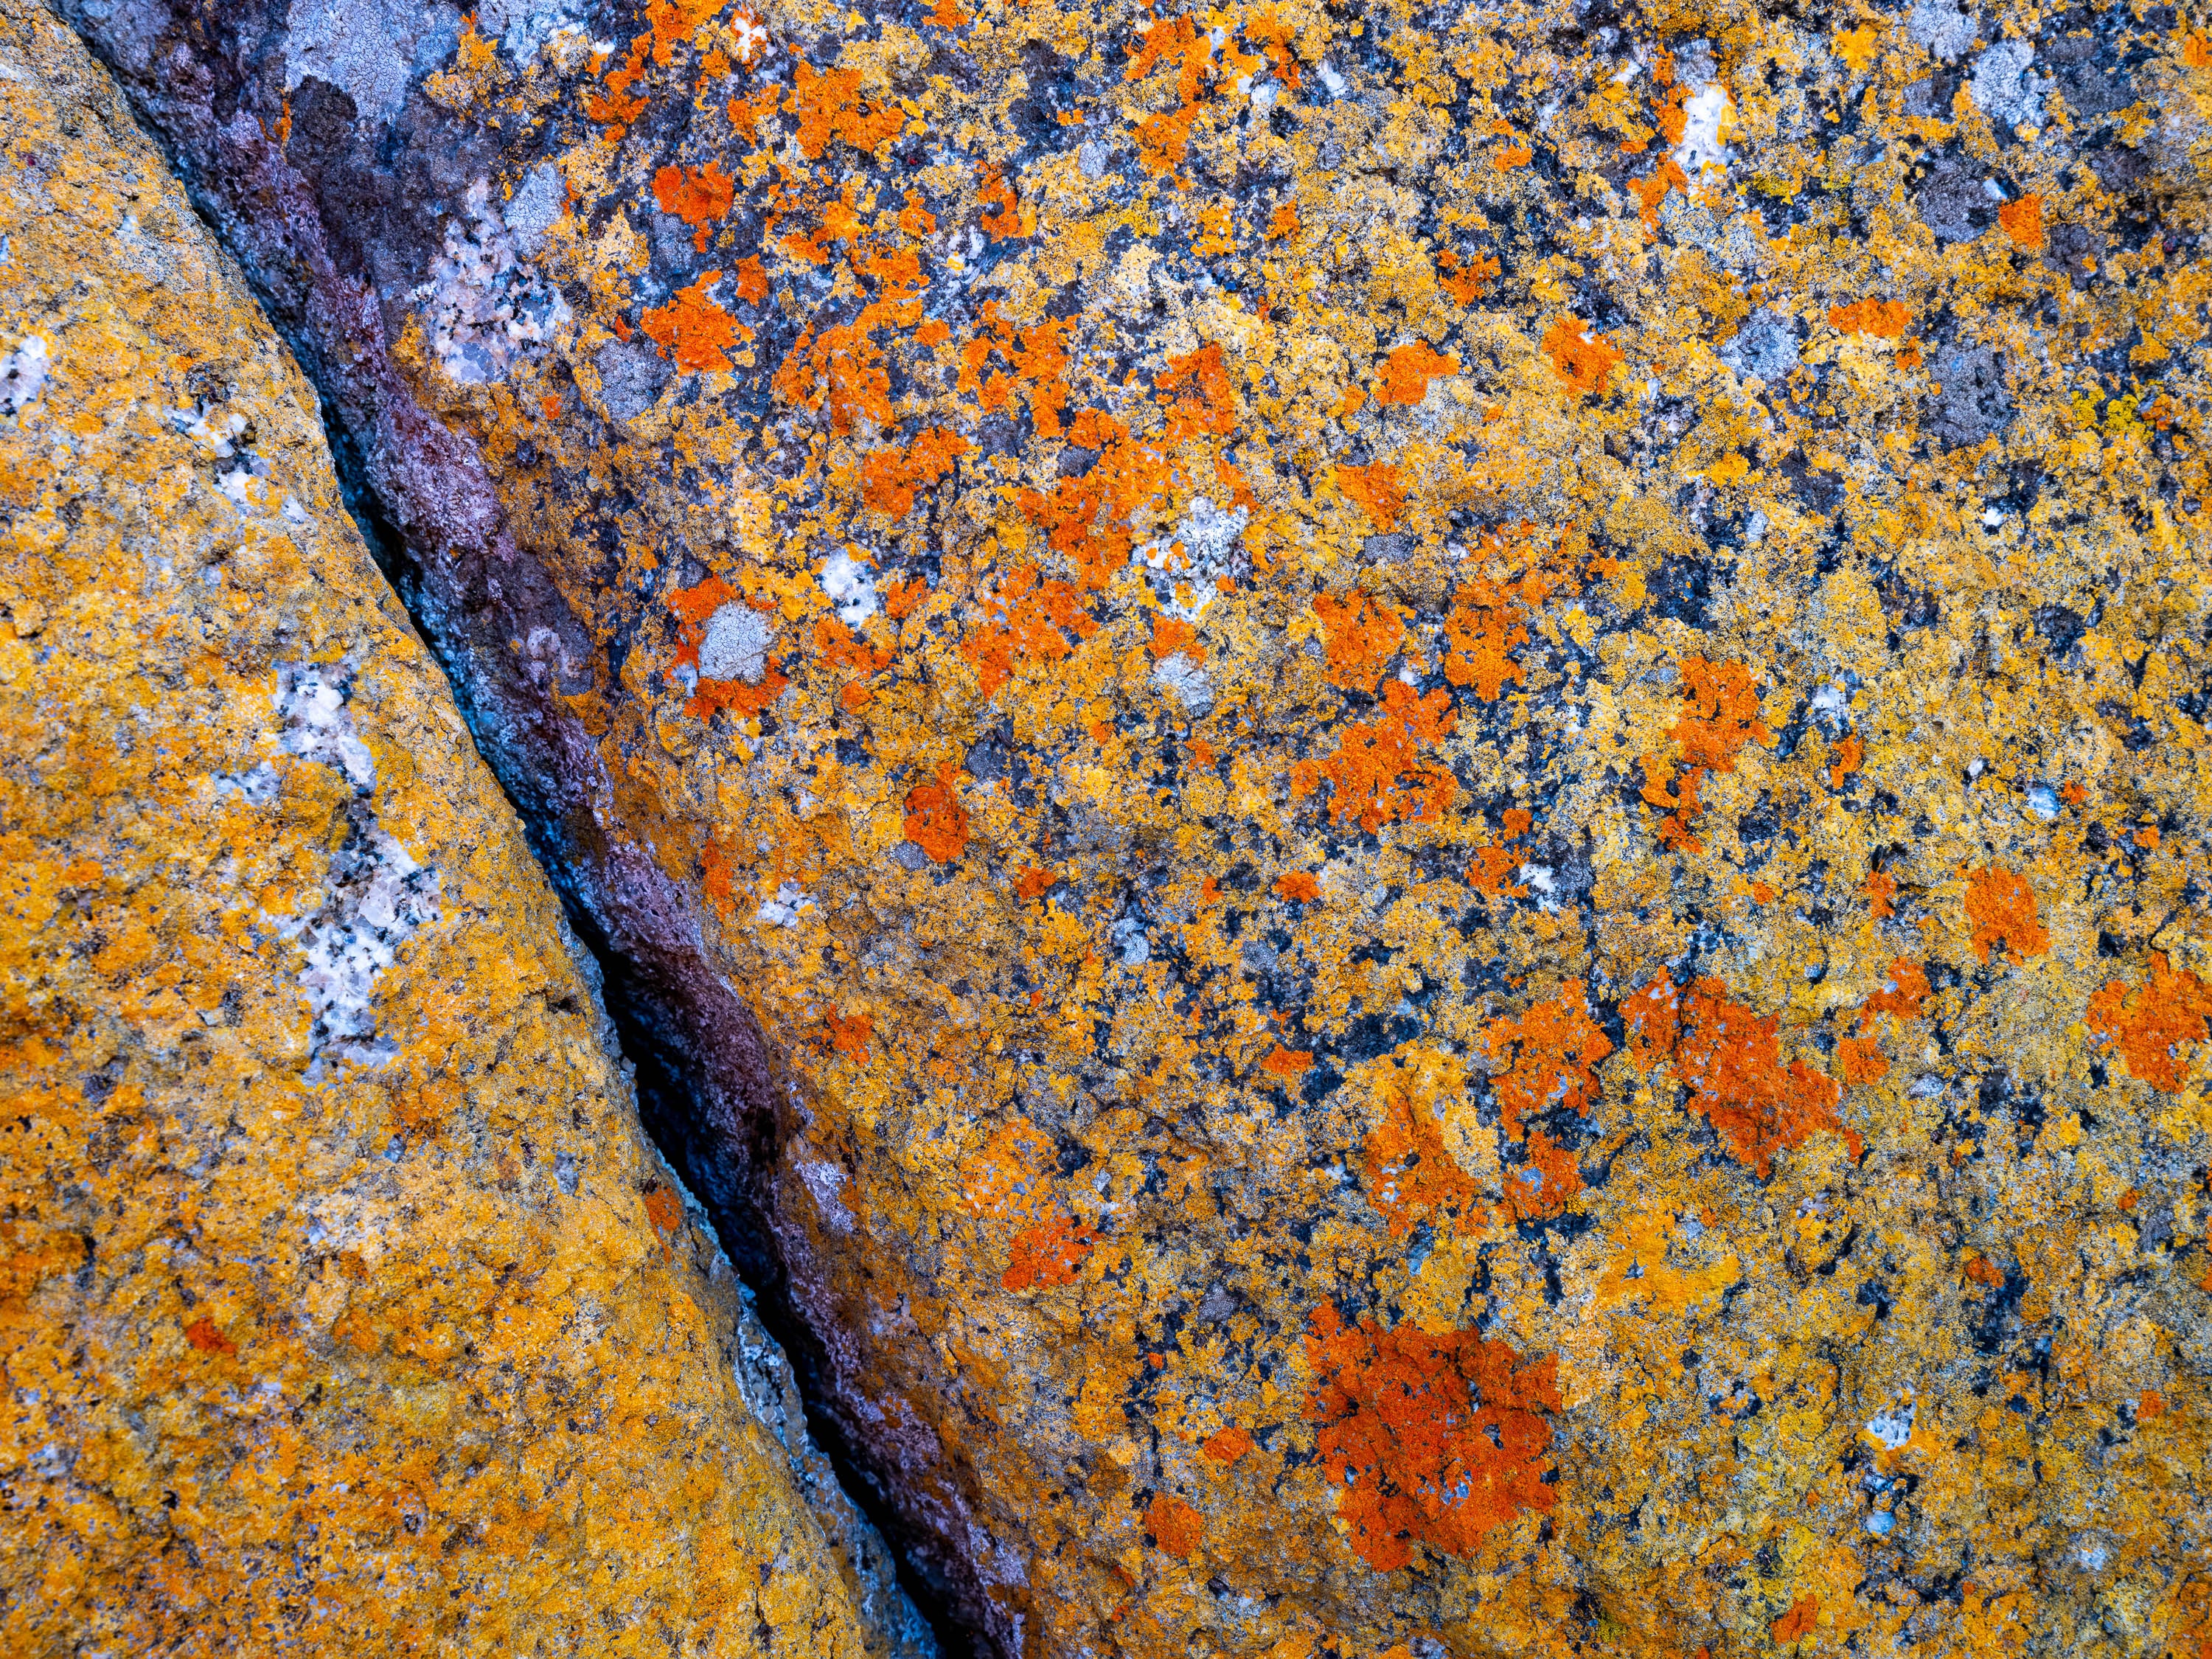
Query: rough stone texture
(344, 1306)
(1389, 955)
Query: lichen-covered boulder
(344, 1307)
(1411, 802)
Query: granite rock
(1585, 1033)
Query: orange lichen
(1902, 992)
(1885, 319)
(831, 109)
(1544, 1182)
(1287, 1063)
(1879, 891)
(1025, 623)
(1407, 371)
(1585, 361)
(1465, 277)
(1730, 1060)
(2001, 906)
(936, 822)
(1650, 192)
(1004, 217)
(1227, 1445)
(904, 596)
(841, 372)
(2022, 220)
(698, 197)
(1207, 405)
(2152, 1022)
(1983, 1270)
(1850, 754)
(1491, 872)
(1483, 628)
(890, 477)
(1172, 636)
(674, 22)
(1799, 1622)
(1360, 635)
(1048, 1253)
(693, 330)
(850, 1036)
(1860, 1058)
(1549, 1057)
(1176, 1527)
(1298, 885)
(1375, 775)
(1437, 1439)
(613, 104)
(1410, 1175)
(1676, 796)
(1723, 715)
(1375, 488)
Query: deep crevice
(667, 1106)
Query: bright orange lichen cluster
(2153, 1025)
(1437, 1440)
(1730, 1060)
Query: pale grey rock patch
(535, 207)
(1765, 345)
(736, 645)
(631, 378)
(523, 26)
(374, 897)
(487, 310)
(1973, 403)
(368, 49)
(1186, 682)
(2006, 88)
(23, 374)
(1208, 544)
(1944, 29)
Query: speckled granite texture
(1404, 808)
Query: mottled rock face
(1409, 805)
(344, 1307)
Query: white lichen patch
(23, 374)
(1891, 1426)
(736, 645)
(374, 895)
(1186, 682)
(1708, 116)
(487, 310)
(850, 588)
(1189, 567)
(368, 49)
(535, 207)
(785, 909)
(1940, 27)
(317, 725)
(2006, 88)
(523, 27)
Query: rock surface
(344, 1306)
(1410, 806)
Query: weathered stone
(1628, 1076)
(344, 1307)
